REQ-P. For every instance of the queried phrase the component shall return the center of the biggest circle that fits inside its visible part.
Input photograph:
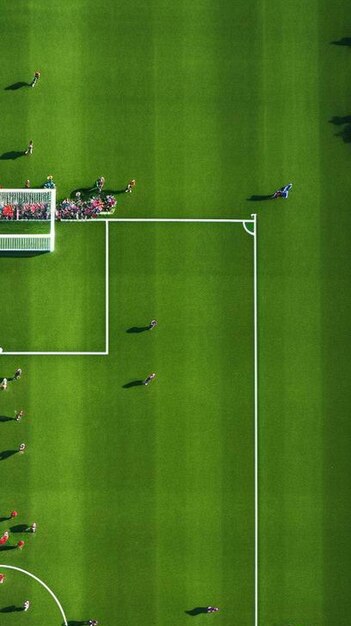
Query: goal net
(27, 220)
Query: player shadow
(338, 121)
(258, 198)
(87, 192)
(19, 528)
(6, 548)
(84, 191)
(11, 609)
(344, 41)
(4, 519)
(345, 132)
(114, 192)
(11, 156)
(17, 85)
(5, 454)
(5, 418)
(22, 253)
(197, 610)
(133, 383)
(74, 622)
(137, 329)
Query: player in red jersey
(4, 538)
(20, 544)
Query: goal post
(27, 209)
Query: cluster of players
(20, 544)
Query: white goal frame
(31, 240)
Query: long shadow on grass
(93, 191)
(5, 418)
(4, 519)
(5, 454)
(114, 192)
(23, 253)
(19, 528)
(137, 329)
(133, 383)
(344, 41)
(11, 609)
(258, 198)
(345, 132)
(77, 623)
(197, 610)
(338, 120)
(10, 156)
(16, 86)
(6, 548)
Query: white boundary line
(107, 288)
(23, 571)
(158, 219)
(72, 352)
(175, 219)
(255, 235)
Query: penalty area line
(48, 353)
(23, 571)
(217, 220)
(107, 287)
(178, 219)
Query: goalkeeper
(283, 192)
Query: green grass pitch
(139, 482)
(144, 496)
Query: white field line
(24, 236)
(256, 415)
(158, 219)
(23, 571)
(107, 287)
(48, 353)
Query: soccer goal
(27, 220)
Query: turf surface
(206, 105)
(147, 494)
